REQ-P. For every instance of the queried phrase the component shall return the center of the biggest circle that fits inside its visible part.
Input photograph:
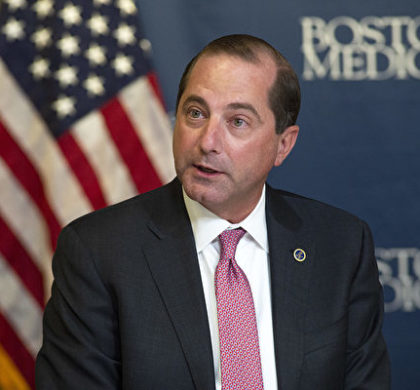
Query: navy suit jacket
(128, 312)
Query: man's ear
(287, 141)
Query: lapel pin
(299, 255)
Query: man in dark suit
(134, 303)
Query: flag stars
(14, 29)
(43, 8)
(94, 85)
(69, 45)
(98, 24)
(64, 106)
(16, 4)
(41, 37)
(146, 45)
(122, 64)
(95, 54)
(70, 15)
(127, 7)
(66, 76)
(40, 68)
(124, 34)
(101, 2)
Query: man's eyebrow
(195, 99)
(244, 106)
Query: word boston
(373, 48)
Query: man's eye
(238, 122)
(194, 113)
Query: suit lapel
(172, 258)
(289, 285)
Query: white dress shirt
(252, 257)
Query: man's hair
(284, 94)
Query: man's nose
(211, 139)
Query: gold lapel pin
(299, 255)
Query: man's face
(224, 140)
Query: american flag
(81, 126)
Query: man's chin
(199, 193)
(207, 195)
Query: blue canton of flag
(71, 57)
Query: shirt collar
(207, 226)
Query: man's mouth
(205, 169)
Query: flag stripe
(129, 146)
(17, 351)
(10, 378)
(24, 219)
(92, 136)
(62, 188)
(21, 263)
(82, 169)
(21, 310)
(29, 179)
(152, 126)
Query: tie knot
(229, 240)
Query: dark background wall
(359, 147)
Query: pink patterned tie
(239, 350)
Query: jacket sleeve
(80, 346)
(367, 361)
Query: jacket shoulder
(133, 212)
(303, 210)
